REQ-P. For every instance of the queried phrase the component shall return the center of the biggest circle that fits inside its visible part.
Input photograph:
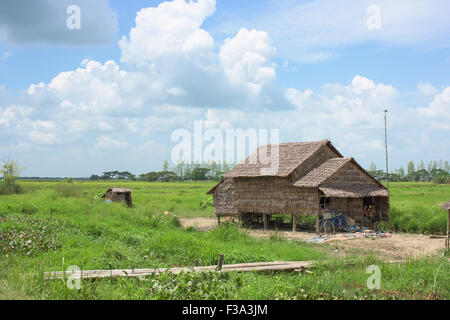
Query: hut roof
(291, 156)
(354, 190)
(445, 205)
(119, 190)
(327, 170)
(211, 191)
(322, 173)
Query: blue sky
(109, 95)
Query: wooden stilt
(266, 221)
(294, 223)
(218, 221)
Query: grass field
(413, 206)
(52, 225)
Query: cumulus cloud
(172, 28)
(45, 22)
(438, 111)
(181, 59)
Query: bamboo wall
(224, 199)
(274, 195)
(352, 207)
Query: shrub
(7, 189)
(67, 190)
(442, 178)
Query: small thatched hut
(311, 177)
(118, 195)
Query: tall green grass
(413, 207)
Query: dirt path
(398, 246)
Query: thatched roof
(356, 190)
(345, 189)
(291, 156)
(445, 205)
(211, 191)
(322, 173)
(119, 190)
(335, 177)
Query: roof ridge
(291, 156)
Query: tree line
(182, 171)
(434, 171)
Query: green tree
(10, 172)
(411, 168)
(421, 165)
(199, 174)
(401, 173)
(165, 166)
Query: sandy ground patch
(398, 246)
(199, 223)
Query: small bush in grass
(67, 190)
(29, 208)
(228, 231)
(6, 189)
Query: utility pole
(385, 145)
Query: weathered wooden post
(294, 222)
(266, 221)
(219, 265)
(218, 220)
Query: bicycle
(328, 223)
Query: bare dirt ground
(398, 246)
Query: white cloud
(172, 28)
(246, 59)
(427, 89)
(104, 126)
(43, 138)
(107, 143)
(438, 111)
(298, 98)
